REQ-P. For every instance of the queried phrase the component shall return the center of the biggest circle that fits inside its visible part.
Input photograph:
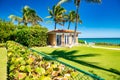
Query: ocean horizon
(102, 40)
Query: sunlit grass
(108, 59)
(3, 64)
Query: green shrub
(6, 29)
(28, 36)
(31, 37)
(24, 64)
(81, 41)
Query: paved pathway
(105, 47)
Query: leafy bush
(81, 41)
(33, 36)
(6, 29)
(28, 36)
(24, 64)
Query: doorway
(58, 40)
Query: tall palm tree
(56, 14)
(25, 11)
(16, 18)
(36, 19)
(71, 18)
(63, 20)
(77, 4)
(30, 16)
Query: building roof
(62, 31)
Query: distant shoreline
(102, 40)
(106, 37)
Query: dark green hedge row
(34, 36)
(28, 36)
(6, 29)
(107, 44)
(81, 41)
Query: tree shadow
(71, 56)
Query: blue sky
(99, 20)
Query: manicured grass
(3, 63)
(102, 62)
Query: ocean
(101, 40)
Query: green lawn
(3, 63)
(102, 62)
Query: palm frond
(94, 1)
(49, 17)
(62, 1)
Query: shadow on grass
(72, 57)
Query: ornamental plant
(23, 64)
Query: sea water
(102, 40)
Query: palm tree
(63, 20)
(56, 14)
(30, 16)
(36, 19)
(71, 18)
(16, 18)
(25, 11)
(77, 4)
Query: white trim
(59, 34)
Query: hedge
(28, 36)
(81, 41)
(31, 37)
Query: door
(58, 40)
(66, 39)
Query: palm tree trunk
(76, 24)
(55, 25)
(69, 25)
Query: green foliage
(107, 44)
(6, 29)
(30, 16)
(2, 44)
(24, 64)
(32, 36)
(28, 36)
(81, 41)
(57, 14)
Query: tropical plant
(77, 4)
(30, 16)
(71, 18)
(56, 14)
(63, 20)
(16, 18)
(32, 36)
(6, 29)
(24, 64)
